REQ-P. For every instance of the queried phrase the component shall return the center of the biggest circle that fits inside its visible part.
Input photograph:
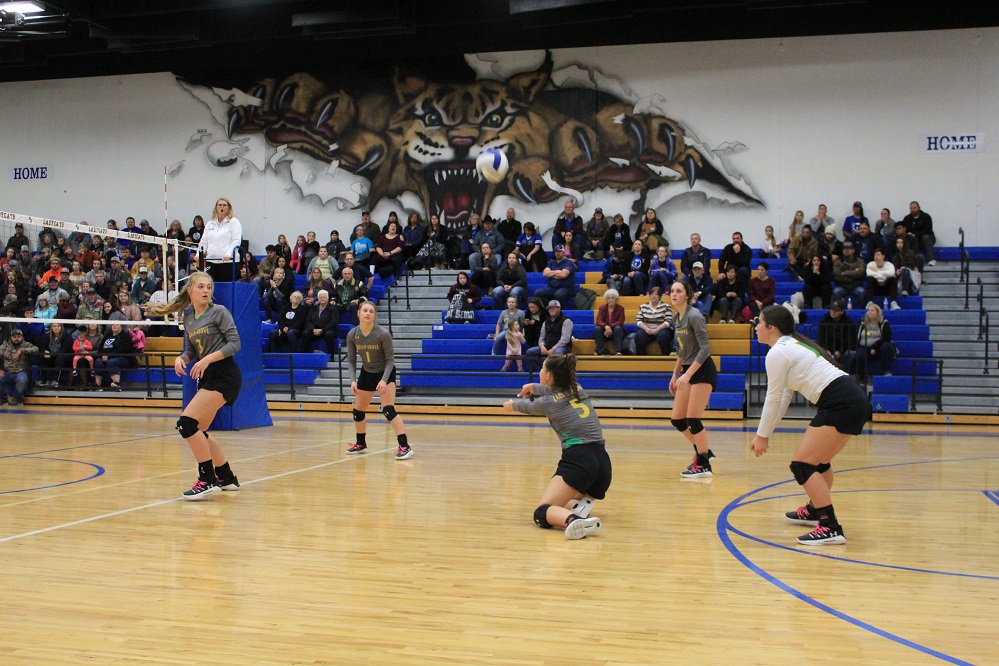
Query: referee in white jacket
(220, 243)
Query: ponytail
(563, 370)
(181, 301)
(781, 318)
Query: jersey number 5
(584, 411)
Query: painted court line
(992, 495)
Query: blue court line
(723, 527)
(992, 495)
(99, 472)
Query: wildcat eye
(494, 119)
(432, 119)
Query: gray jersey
(574, 420)
(692, 337)
(376, 350)
(213, 331)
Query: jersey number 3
(584, 411)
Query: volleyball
(492, 165)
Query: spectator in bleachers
(662, 270)
(650, 231)
(831, 248)
(18, 239)
(360, 271)
(737, 254)
(326, 264)
(556, 333)
(593, 236)
(316, 283)
(322, 324)
(693, 254)
(143, 287)
(115, 353)
(730, 296)
(311, 250)
(196, 231)
(290, 324)
(468, 239)
(561, 275)
(392, 217)
(128, 308)
(9, 256)
(413, 235)
(761, 291)
(176, 232)
(36, 263)
(510, 314)
(618, 235)
(297, 262)
(615, 268)
(838, 334)
(86, 256)
(54, 363)
(267, 266)
(484, 266)
(821, 221)
(850, 275)
(92, 306)
(54, 271)
(510, 228)
(919, 223)
(865, 242)
(797, 224)
(110, 311)
(567, 221)
(117, 275)
(488, 233)
(361, 246)
(511, 280)
(702, 289)
(348, 293)
(911, 242)
(83, 360)
(54, 292)
(434, 250)
(881, 280)
(609, 324)
(874, 342)
(817, 290)
(44, 309)
(101, 286)
(65, 308)
(15, 367)
(906, 264)
(469, 293)
(34, 330)
(655, 322)
(573, 246)
(276, 294)
(530, 249)
(800, 252)
(534, 317)
(770, 248)
(335, 247)
(885, 226)
(636, 280)
(851, 224)
(283, 249)
(514, 346)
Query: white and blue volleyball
(492, 165)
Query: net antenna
(35, 226)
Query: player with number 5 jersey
(584, 472)
(374, 345)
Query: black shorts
(368, 381)
(223, 376)
(586, 468)
(706, 374)
(843, 404)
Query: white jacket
(218, 239)
(880, 274)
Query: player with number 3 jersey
(584, 472)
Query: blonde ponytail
(181, 301)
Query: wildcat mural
(422, 140)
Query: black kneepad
(358, 415)
(187, 426)
(679, 424)
(389, 412)
(802, 471)
(823, 468)
(695, 426)
(541, 517)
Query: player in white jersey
(795, 363)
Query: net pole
(166, 207)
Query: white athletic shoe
(582, 507)
(932, 262)
(582, 527)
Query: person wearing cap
(556, 333)
(366, 228)
(221, 243)
(18, 241)
(15, 367)
(54, 271)
(53, 291)
(851, 224)
(117, 275)
(510, 228)
(618, 235)
(567, 221)
(335, 247)
(849, 274)
(144, 286)
(593, 236)
(696, 252)
(92, 306)
(703, 288)
(830, 247)
(488, 233)
(65, 307)
(561, 275)
(838, 334)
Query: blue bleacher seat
(885, 403)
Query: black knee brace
(823, 468)
(802, 471)
(695, 426)
(187, 426)
(358, 415)
(679, 424)
(541, 517)
(389, 412)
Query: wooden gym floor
(323, 558)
